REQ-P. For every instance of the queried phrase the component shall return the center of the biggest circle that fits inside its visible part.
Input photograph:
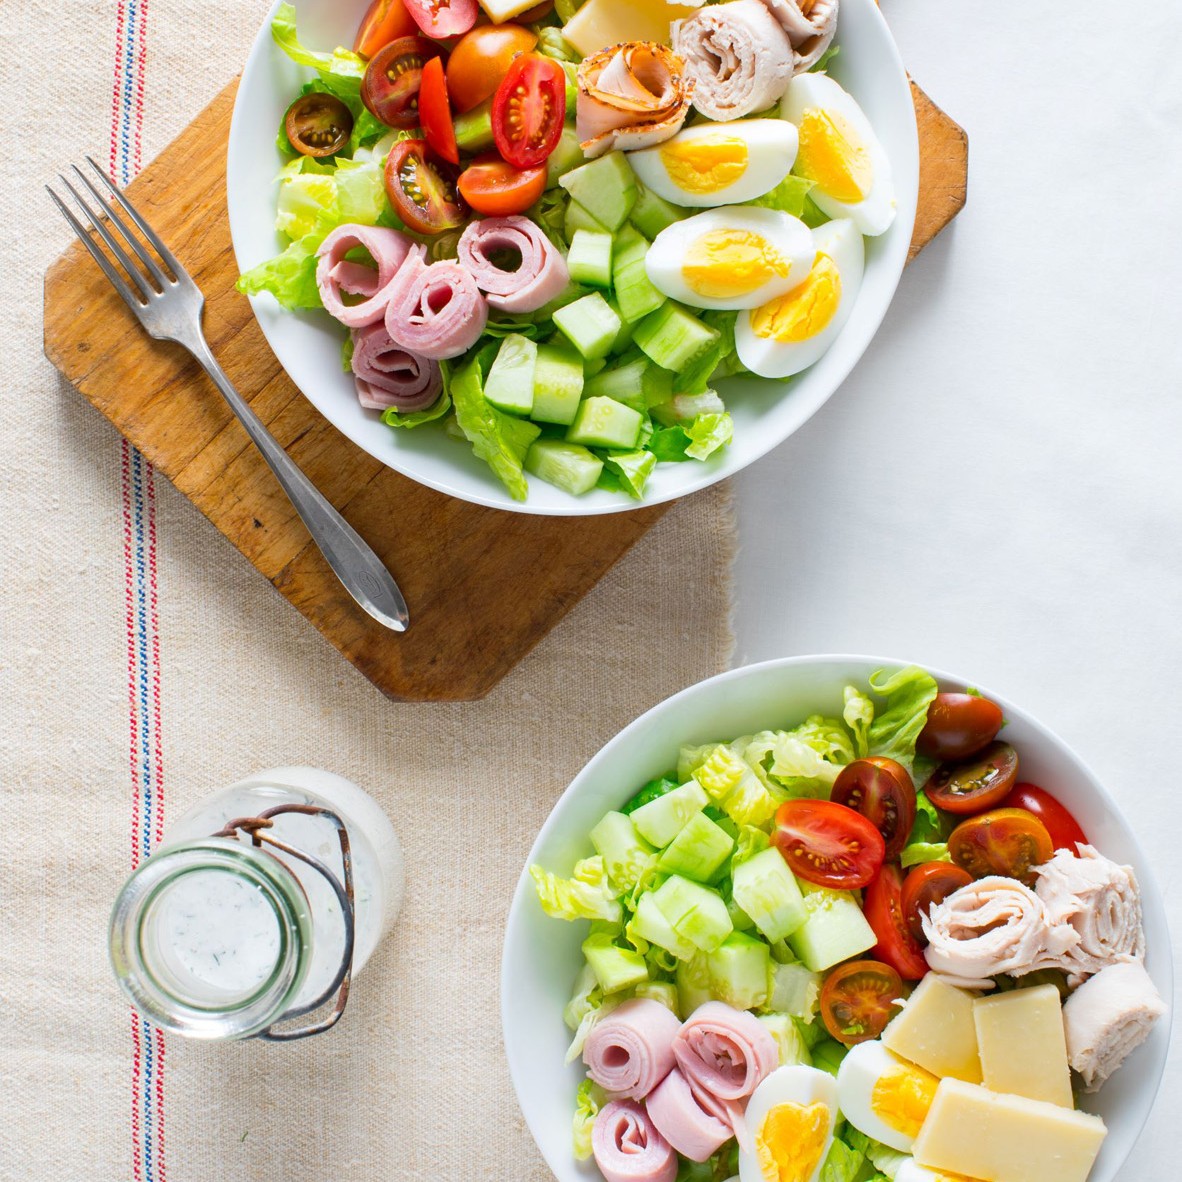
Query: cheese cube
(935, 1029)
(600, 23)
(1000, 1138)
(1022, 1044)
(502, 10)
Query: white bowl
(765, 412)
(542, 956)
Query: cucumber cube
(795, 990)
(589, 324)
(626, 855)
(693, 983)
(566, 155)
(510, 383)
(789, 1043)
(698, 851)
(565, 465)
(672, 337)
(590, 258)
(635, 293)
(650, 924)
(605, 187)
(739, 970)
(604, 422)
(624, 336)
(623, 381)
(661, 820)
(695, 913)
(835, 929)
(651, 214)
(768, 892)
(614, 968)
(577, 218)
(663, 991)
(558, 385)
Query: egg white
(789, 237)
(857, 1077)
(875, 212)
(771, 151)
(787, 1085)
(911, 1171)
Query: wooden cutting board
(483, 585)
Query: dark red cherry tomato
(977, 784)
(318, 124)
(1061, 825)
(881, 790)
(958, 725)
(422, 188)
(858, 999)
(390, 88)
(883, 905)
(924, 887)
(1010, 842)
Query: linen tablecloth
(144, 664)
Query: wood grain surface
(483, 585)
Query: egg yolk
(902, 1096)
(805, 311)
(832, 155)
(791, 1141)
(724, 264)
(705, 165)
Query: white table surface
(997, 489)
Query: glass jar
(222, 933)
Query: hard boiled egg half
(787, 334)
(911, 1171)
(731, 258)
(840, 153)
(883, 1096)
(718, 163)
(789, 1119)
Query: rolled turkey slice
(630, 1051)
(387, 375)
(627, 1146)
(1108, 1017)
(810, 25)
(513, 262)
(724, 1051)
(683, 1120)
(338, 277)
(436, 309)
(737, 57)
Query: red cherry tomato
(958, 725)
(828, 844)
(924, 887)
(443, 18)
(384, 21)
(390, 88)
(883, 905)
(481, 59)
(528, 109)
(858, 999)
(496, 189)
(1005, 841)
(422, 188)
(881, 790)
(435, 113)
(1061, 825)
(975, 785)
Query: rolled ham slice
(683, 1120)
(737, 56)
(490, 248)
(631, 95)
(627, 1146)
(337, 277)
(387, 375)
(631, 1050)
(724, 1051)
(810, 25)
(436, 309)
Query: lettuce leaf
(290, 277)
(805, 760)
(341, 62)
(908, 693)
(789, 196)
(858, 714)
(882, 1157)
(707, 433)
(587, 894)
(841, 1163)
(928, 839)
(416, 418)
(588, 1100)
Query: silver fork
(169, 308)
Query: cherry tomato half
(528, 109)
(496, 189)
(318, 124)
(384, 21)
(390, 88)
(1005, 841)
(883, 905)
(975, 785)
(881, 790)
(481, 59)
(1061, 825)
(828, 844)
(959, 725)
(924, 887)
(422, 188)
(858, 999)
(443, 18)
(435, 113)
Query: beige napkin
(412, 1085)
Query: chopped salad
(552, 230)
(857, 948)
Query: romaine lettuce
(908, 693)
(587, 894)
(858, 714)
(588, 1101)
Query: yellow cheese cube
(935, 1029)
(502, 10)
(1022, 1044)
(600, 23)
(1000, 1138)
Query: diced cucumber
(695, 913)
(835, 929)
(474, 128)
(614, 968)
(605, 187)
(624, 336)
(661, 820)
(767, 890)
(789, 1042)
(590, 258)
(651, 214)
(635, 293)
(698, 851)
(604, 422)
(739, 969)
(632, 468)
(577, 218)
(558, 384)
(796, 990)
(663, 991)
(739, 917)
(626, 855)
(567, 466)
(828, 1054)
(566, 155)
(510, 382)
(622, 381)
(672, 337)
(650, 924)
(589, 324)
(693, 983)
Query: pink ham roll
(630, 1051)
(724, 1051)
(513, 262)
(627, 1146)
(337, 277)
(434, 309)
(387, 375)
(683, 1120)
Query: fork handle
(360, 570)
